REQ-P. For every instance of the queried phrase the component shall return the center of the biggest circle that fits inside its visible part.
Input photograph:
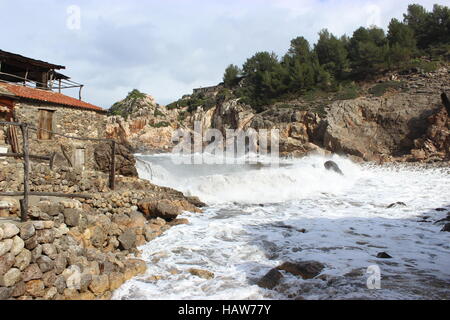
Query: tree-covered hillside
(334, 62)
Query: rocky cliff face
(142, 124)
(388, 127)
(375, 127)
(407, 117)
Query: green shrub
(158, 113)
(381, 88)
(162, 124)
(348, 92)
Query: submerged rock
(304, 269)
(270, 280)
(202, 273)
(383, 255)
(446, 228)
(396, 204)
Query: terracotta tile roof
(47, 96)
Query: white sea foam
(254, 220)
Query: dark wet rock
(443, 221)
(128, 239)
(196, 202)
(440, 209)
(270, 280)
(446, 228)
(355, 273)
(396, 204)
(383, 255)
(332, 166)
(304, 269)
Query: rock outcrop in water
(332, 166)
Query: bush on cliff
(335, 61)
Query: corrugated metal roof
(47, 96)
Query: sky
(166, 48)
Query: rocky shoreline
(80, 249)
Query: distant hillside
(336, 67)
(136, 102)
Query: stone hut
(48, 113)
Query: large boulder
(125, 161)
(164, 209)
(270, 280)
(371, 127)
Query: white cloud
(166, 48)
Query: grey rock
(60, 263)
(383, 255)
(332, 166)
(27, 230)
(5, 246)
(49, 278)
(9, 230)
(127, 239)
(98, 238)
(396, 204)
(86, 280)
(304, 269)
(45, 236)
(6, 263)
(18, 245)
(23, 259)
(271, 279)
(60, 284)
(49, 250)
(32, 272)
(72, 217)
(5, 293)
(45, 263)
(446, 228)
(36, 253)
(10, 278)
(31, 243)
(19, 289)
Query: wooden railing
(26, 156)
(51, 85)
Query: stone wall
(80, 249)
(67, 121)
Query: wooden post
(26, 173)
(52, 160)
(81, 88)
(112, 174)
